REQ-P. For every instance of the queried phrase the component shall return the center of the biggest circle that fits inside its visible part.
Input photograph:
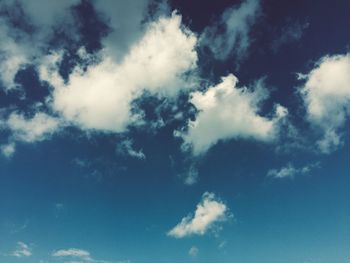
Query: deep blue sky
(74, 178)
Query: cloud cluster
(209, 211)
(226, 112)
(156, 55)
(125, 147)
(101, 97)
(326, 96)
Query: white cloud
(226, 112)
(34, 129)
(72, 252)
(236, 22)
(8, 150)
(101, 97)
(290, 171)
(326, 96)
(22, 250)
(193, 252)
(208, 212)
(79, 255)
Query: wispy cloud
(290, 171)
(125, 147)
(230, 34)
(80, 255)
(193, 252)
(22, 250)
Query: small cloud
(8, 150)
(209, 211)
(126, 148)
(81, 162)
(193, 252)
(22, 250)
(191, 177)
(290, 171)
(79, 255)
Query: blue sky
(174, 131)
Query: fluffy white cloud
(22, 250)
(37, 128)
(326, 96)
(236, 23)
(226, 112)
(100, 97)
(208, 212)
(290, 171)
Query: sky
(174, 131)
